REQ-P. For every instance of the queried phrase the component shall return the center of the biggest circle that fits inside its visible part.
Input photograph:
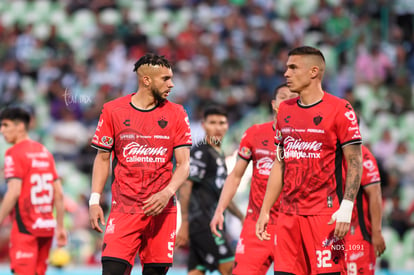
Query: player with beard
(199, 196)
(252, 255)
(142, 131)
(313, 132)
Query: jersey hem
(377, 182)
(354, 141)
(246, 159)
(101, 148)
(10, 178)
(182, 145)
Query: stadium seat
(41, 30)
(83, 20)
(126, 3)
(282, 7)
(407, 196)
(110, 17)
(305, 8)
(408, 243)
(58, 16)
(40, 9)
(382, 121)
(18, 11)
(365, 94)
(405, 124)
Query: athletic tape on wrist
(94, 199)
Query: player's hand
(341, 229)
(217, 222)
(157, 202)
(343, 218)
(378, 243)
(182, 235)
(261, 225)
(96, 215)
(61, 237)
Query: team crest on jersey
(286, 119)
(317, 120)
(162, 122)
(107, 141)
(245, 152)
(110, 229)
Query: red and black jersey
(257, 145)
(34, 165)
(370, 175)
(312, 138)
(142, 142)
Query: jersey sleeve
(370, 172)
(198, 164)
(347, 128)
(183, 133)
(278, 132)
(245, 148)
(13, 168)
(53, 167)
(104, 133)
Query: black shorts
(207, 251)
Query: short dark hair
(214, 110)
(152, 59)
(306, 50)
(16, 113)
(276, 90)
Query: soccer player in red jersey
(143, 131)
(33, 190)
(253, 256)
(312, 133)
(364, 242)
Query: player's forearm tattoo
(354, 172)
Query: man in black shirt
(199, 197)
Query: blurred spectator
(398, 218)
(69, 136)
(385, 147)
(372, 66)
(9, 80)
(338, 25)
(401, 163)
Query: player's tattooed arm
(353, 157)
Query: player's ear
(146, 80)
(314, 71)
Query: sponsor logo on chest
(135, 152)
